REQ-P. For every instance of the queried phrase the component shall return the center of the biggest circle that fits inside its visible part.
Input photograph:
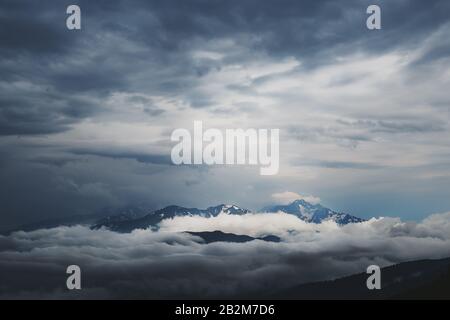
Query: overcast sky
(86, 116)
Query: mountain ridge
(152, 219)
(312, 213)
(219, 236)
(416, 279)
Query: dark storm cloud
(44, 71)
(305, 29)
(140, 157)
(53, 79)
(26, 111)
(355, 131)
(26, 29)
(99, 59)
(55, 160)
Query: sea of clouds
(170, 263)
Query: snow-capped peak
(315, 213)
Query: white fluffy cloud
(172, 264)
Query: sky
(86, 115)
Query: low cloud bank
(171, 264)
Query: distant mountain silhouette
(151, 220)
(216, 236)
(422, 279)
(57, 222)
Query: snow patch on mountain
(314, 213)
(308, 212)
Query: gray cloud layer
(167, 264)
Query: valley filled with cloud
(170, 263)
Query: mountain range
(125, 223)
(314, 213)
(127, 220)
